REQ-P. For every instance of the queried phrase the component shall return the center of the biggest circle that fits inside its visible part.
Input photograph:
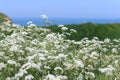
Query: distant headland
(4, 18)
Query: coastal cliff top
(4, 18)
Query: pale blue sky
(61, 8)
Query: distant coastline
(57, 21)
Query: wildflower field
(36, 53)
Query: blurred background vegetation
(90, 30)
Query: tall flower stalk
(45, 20)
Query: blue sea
(64, 21)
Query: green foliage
(1, 20)
(90, 30)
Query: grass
(90, 30)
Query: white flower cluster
(34, 53)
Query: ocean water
(57, 21)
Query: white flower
(64, 28)
(57, 68)
(14, 48)
(24, 33)
(35, 66)
(51, 37)
(8, 78)
(29, 22)
(107, 40)
(2, 65)
(44, 17)
(31, 57)
(7, 23)
(68, 65)
(32, 25)
(42, 58)
(116, 62)
(20, 39)
(25, 66)
(104, 49)
(47, 67)
(2, 53)
(61, 56)
(60, 25)
(34, 42)
(94, 55)
(50, 77)
(79, 63)
(80, 77)
(90, 74)
(13, 35)
(114, 50)
(29, 49)
(29, 77)
(90, 67)
(43, 44)
(20, 73)
(73, 31)
(68, 34)
(11, 62)
(108, 70)
(61, 78)
(16, 25)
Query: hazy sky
(61, 8)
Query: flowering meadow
(36, 53)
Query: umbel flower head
(44, 17)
